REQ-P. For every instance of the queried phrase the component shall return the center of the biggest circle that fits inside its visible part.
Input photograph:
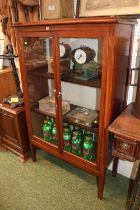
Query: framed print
(108, 7)
(1, 52)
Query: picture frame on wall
(89, 8)
(2, 45)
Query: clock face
(62, 50)
(80, 56)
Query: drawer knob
(125, 146)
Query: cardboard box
(54, 9)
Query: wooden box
(53, 9)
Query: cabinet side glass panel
(40, 80)
(81, 72)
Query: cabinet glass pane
(81, 70)
(40, 79)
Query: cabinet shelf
(93, 160)
(50, 146)
(68, 77)
(41, 73)
(93, 82)
(35, 108)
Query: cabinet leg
(24, 158)
(97, 180)
(101, 183)
(115, 166)
(33, 153)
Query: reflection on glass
(39, 67)
(81, 70)
(65, 55)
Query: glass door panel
(81, 72)
(40, 79)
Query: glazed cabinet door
(64, 88)
(82, 58)
(40, 89)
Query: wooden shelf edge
(93, 129)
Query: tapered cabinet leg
(101, 183)
(115, 166)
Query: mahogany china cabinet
(74, 74)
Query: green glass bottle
(77, 144)
(88, 133)
(44, 129)
(67, 139)
(47, 127)
(65, 125)
(93, 135)
(50, 121)
(88, 147)
(77, 129)
(54, 137)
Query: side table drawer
(124, 149)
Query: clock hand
(80, 56)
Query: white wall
(124, 168)
(89, 97)
(5, 62)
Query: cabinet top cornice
(86, 20)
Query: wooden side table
(126, 145)
(126, 131)
(13, 131)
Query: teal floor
(51, 184)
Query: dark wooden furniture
(13, 131)
(39, 46)
(7, 83)
(126, 146)
(126, 132)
